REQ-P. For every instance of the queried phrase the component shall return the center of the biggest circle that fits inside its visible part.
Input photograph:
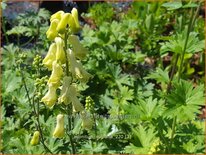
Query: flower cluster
(64, 63)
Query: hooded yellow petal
(60, 54)
(77, 69)
(61, 28)
(56, 75)
(58, 15)
(50, 98)
(35, 138)
(52, 32)
(64, 96)
(51, 56)
(76, 20)
(59, 129)
(79, 51)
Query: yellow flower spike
(57, 72)
(52, 32)
(50, 98)
(58, 15)
(87, 121)
(76, 20)
(60, 55)
(79, 50)
(51, 56)
(59, 130)
(64, 92)
(77, 69)
(61, 28)
(35, 138)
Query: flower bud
(51, 56)
(89, 106)
(50, 98)
(57, 72)
(79, 51)
(58, 15)
(87, 121)
(35, 138)
(59, 130)
(77, 69)
(60, 55)
(52, 32)
(61, 28)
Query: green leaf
(172, 5)
(146, 137)
(190, 5)
(159, 75)
(19, 30)
(10, 81)
(184, 101)
(177, 42)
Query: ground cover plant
(128, 78)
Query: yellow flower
(60, 55)
(56, 74)
(59, 130)
(52, 32)
(72, 97)
(77, 106)
(79, 50)
(76, 20)
(63, 22)
(87, 121)
(64, 96)
(35, 138)
(77, 69)
(58, 15)
(50, 98)
(50, 57)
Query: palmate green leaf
(146, 137)
(11, 82)
(126, 93)
(176, 43)
(19, 30)
(150, 108)
(184, 101)
(159, 75)
(90, 148)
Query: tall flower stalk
(64, 60)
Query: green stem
(25, 86)
(172, 73)
(190, 26)
(36, 112)
(172, 134)
(4, 31)
(69, 110)
(24, 44)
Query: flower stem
(190, 27)
(69, 110)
